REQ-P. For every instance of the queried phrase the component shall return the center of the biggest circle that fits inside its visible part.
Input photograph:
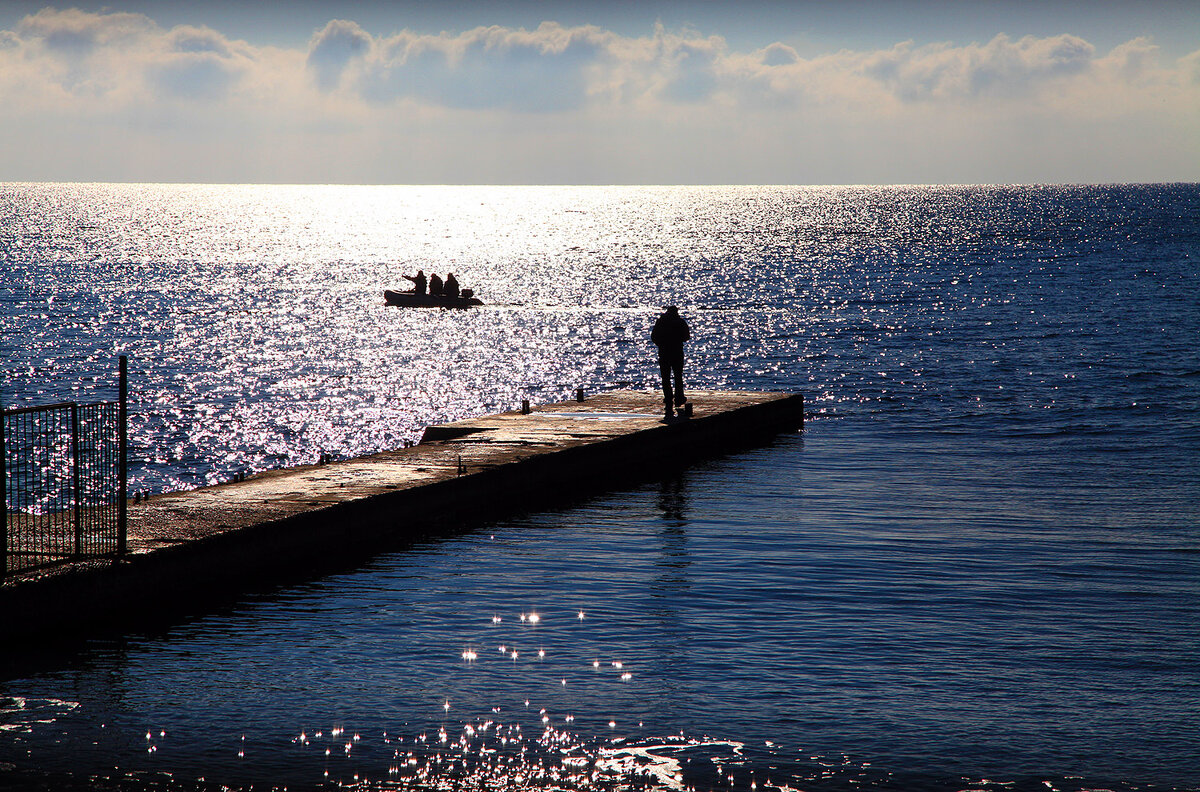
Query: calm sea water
(977, 568)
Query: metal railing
(63, 482)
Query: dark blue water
(977, 568)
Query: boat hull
(407, 299)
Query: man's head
(672, 310)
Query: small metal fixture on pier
(579, 394)
(524, 406)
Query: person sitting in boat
(418, 281)
(451, 288)
(435, 285)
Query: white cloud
(75, 62)
(333, 49)
(75, 33)
(544, 70)
(999, 69)
(1189, 68)
(663, 103)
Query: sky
(617, 92)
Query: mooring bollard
(524, 406)
(579, 394)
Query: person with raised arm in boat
(435, 284)
(418, 281)
(669, 334)
(450, 289)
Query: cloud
(195, 40)
(549, 69)
(691, 67)
(77, 33)
(334, 48)
(69, 47)
(1189, 68)
(544, 70)
(553, 68)
(568, 94)
(779, 55)
(1000, 68)
(80, 62)
(192, 63)
(198, 77)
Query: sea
(977, 567)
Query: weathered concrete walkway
(190, 548)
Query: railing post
(123, 458)
(75, 484)
(3, 495)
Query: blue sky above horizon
(465, 91)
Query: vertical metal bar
(14, 531)
(52, 489)
(57, 480)
(75, 482)
(90, 483)
(3, 494)
(111, 450)
(106, 540)
(105, 523)
(86, 542)
(95, 537)
(40, 526)
(23, 487)
(110, 469)
(123, 461)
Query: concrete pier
(191, 550)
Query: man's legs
(664, 368)
(677, 368)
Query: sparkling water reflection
(254, 319)
(976, 570)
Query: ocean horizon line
(601, 185)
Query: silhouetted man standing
(670, 331)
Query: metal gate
(63, 482)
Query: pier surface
(191, 548)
